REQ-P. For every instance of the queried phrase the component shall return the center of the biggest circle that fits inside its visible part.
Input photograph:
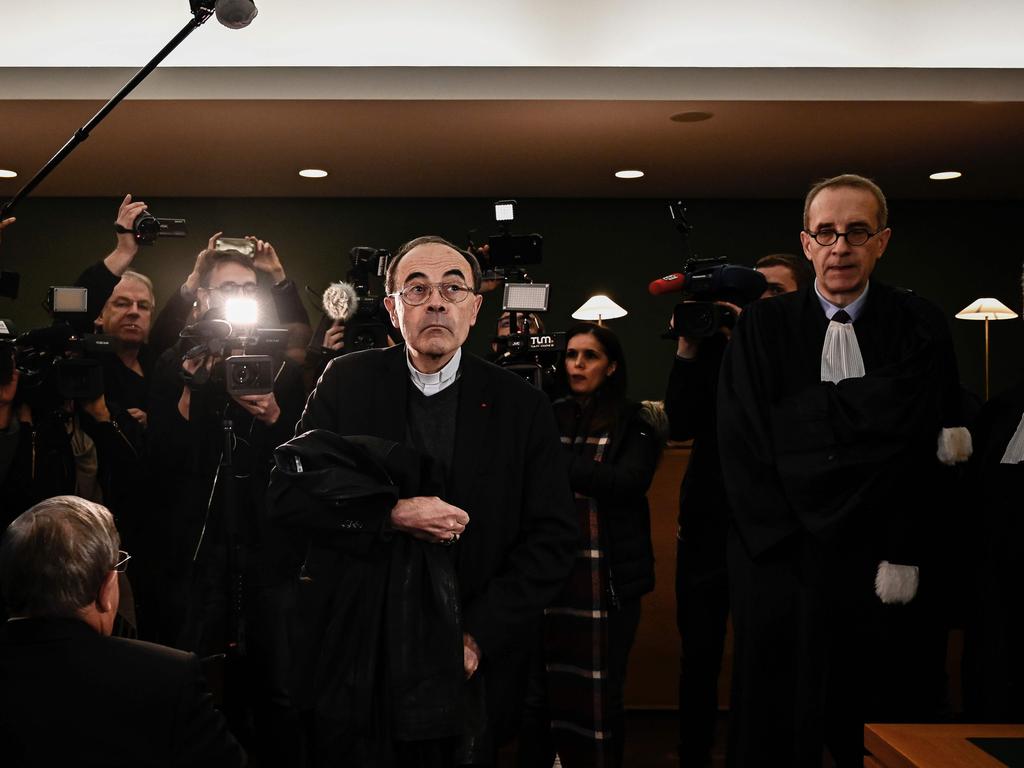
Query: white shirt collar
(853, 310)
(432, 383)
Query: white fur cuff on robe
(896, 584)
(955, 445)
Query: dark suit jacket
(70, 696)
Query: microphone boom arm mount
(202, 10)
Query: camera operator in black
(291, 313)
(120, 303)
(702, 594)
(31, 469)
(185, 448)
(32, 466)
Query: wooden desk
(933, 746)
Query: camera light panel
(505, 210)
(242, 312)
(526, 297)
(69, 299)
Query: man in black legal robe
(832, 401)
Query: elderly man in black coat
(69, 693)
(499, 509)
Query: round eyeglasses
(854, 236)
(235, 289)
(415, 294)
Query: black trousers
(818, 654)
(702, 612)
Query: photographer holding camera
(225, 579)
(263, 259)
(120, 304)
(702, 594)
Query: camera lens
(146, 227)
(244, 375)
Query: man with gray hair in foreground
(70, 693)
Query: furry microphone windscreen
(236, 14)
(340, 301)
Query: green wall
(951, 252)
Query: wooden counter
(933, 746)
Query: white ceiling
(522, 98)
(537, 33)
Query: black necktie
(841, 317)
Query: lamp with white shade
(599, 308)
(986, 309)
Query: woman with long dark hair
(575, 699)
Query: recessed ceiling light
(690, 117)
(5, 174)
(945, 175)
(629, 174)
(312, 173)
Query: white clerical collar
(432, 383)
(853, 310)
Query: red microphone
(667, 284)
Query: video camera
(353, 303)
(147, 228)
(367, 326)
(706, 282)
(534, 356)
(506, 254)
(252, 372)
(56, 362)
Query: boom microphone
(667, 284)
(340, 301)
(236, 14)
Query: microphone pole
(202, 10)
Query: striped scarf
(576, 637)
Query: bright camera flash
(505, 210)
(241, 311)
